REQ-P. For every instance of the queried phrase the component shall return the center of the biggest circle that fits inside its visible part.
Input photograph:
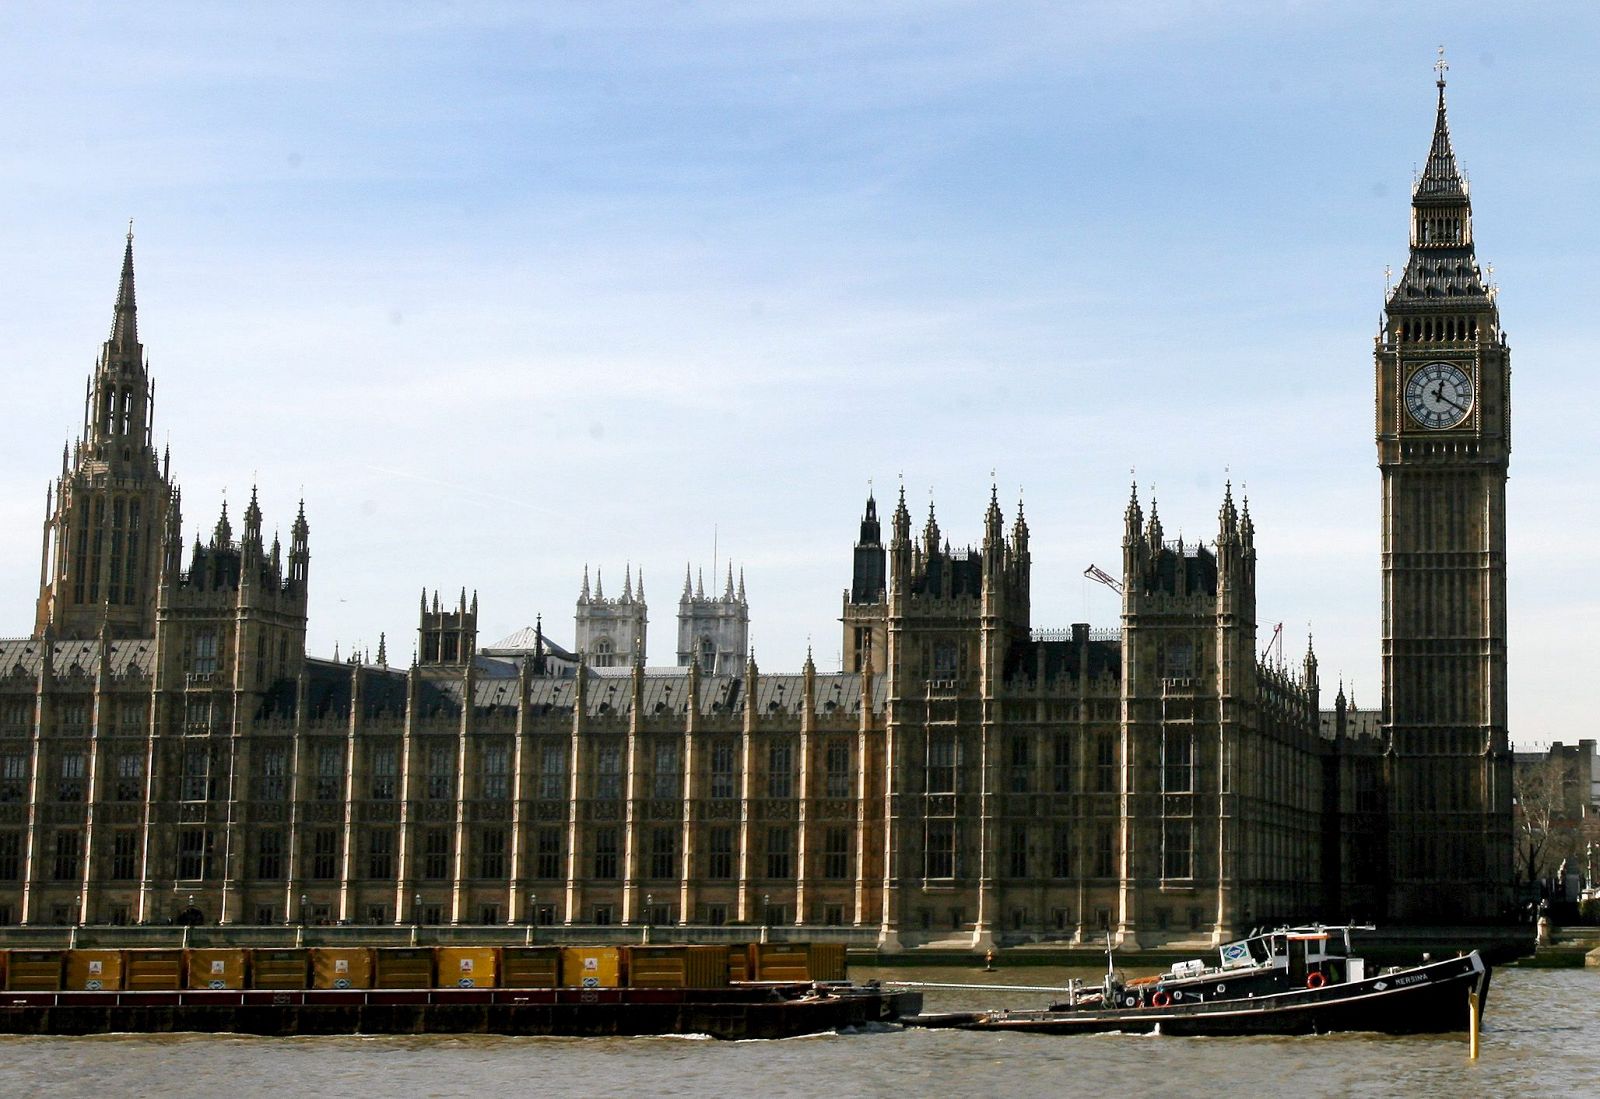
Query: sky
(505, 290)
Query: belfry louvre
(170, 753)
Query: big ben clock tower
(1444, 442)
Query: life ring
(1161, 999)
(1315, 980)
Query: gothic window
(939, 849)
(124, 854)
(780, 852)
(708, 655)
(1061, 851)
(1177, 752)
(492, 853)
(1019, 851)
(324, 854)
(608, 772)
(330, 772)
(436, 854)
(719, 864)
(269, 855)
(836, 854)
(196, 774)
(553, 772)
(1105, 855)
(548, 851)
(840, 776)
(1105, 763)
(1176, 849)
(441, 772)
(944, 660)
(666, 782)
(494, 767)
(724, 768)
(194, 854)
(604, 653)
(385, 772)
(942, 760)
(204, 661)
(663, 852)
(1061, 773)
(10, 856)
(380, 855)
(1021, 761)
(274, 773)
(13, 777)
(605, 853)
(69, 852)
(780, 770)
(70, 784)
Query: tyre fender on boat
(1315, 980)
(1161, 999)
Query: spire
(599, 585)
(124, 322)
(902, 519)
(700, 584)
(742, 599)
(627, 582)
(1132, 516)
(252, 519)
(930, 532)
(383, 651)
(688, 581)
(1019, 529)
(1227, 515)
(727, 592)
(1153, 529)
(223, 535)
(583, 596)
(1440, 178)
(993, 520)
(638, 588)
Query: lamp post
(533, 909)
(304, 903)
(766, 914)
(416, 909)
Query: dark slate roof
(666, 691)
(24, 656)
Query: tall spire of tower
(1440, 177)
(124, 323)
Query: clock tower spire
(1444, 444)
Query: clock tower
(1444, 442)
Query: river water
(1541, 1037)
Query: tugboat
(1291, 980)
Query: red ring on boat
(1315, 980)
(1161, 999)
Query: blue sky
(508, 289)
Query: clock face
(1439, 395)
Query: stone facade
(169, 752)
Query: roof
(24, 656)
(526, 640)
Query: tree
(1547, 828)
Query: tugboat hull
(1428, 999)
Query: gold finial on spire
(130, 230)
(1441, 66)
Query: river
(1541, 1036)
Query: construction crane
(1275, 644)
(1100, 575)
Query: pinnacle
(124, 321)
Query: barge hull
(500, 1011)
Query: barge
(754, 991)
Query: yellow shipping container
(404, 967)
(152, 970)
(93, 971)
(591, 966)
(530, 966)
(341, 967)
(677, 966)
(780, 962)
(34, 970)
(217, 968)
(466, 966)
(826, 961)
(278, 968)
(739, 962)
